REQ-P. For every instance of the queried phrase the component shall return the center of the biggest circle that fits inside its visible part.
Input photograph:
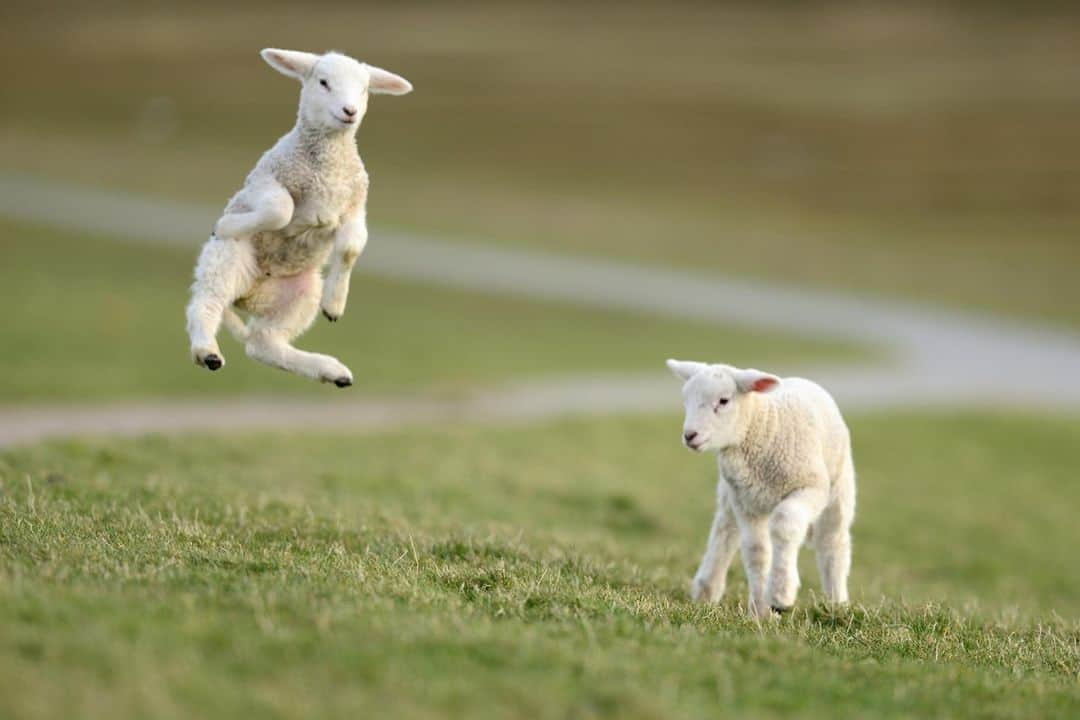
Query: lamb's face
(335, 93)
(713, 396)
(709, 398)
(335, 87)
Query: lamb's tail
(235, 325)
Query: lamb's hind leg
(832, 538)
(787, 528)
(225, 271)
(282, 309)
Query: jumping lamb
(302, 207)
(784, 454)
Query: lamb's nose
(349, 110)
(689, 436)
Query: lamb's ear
(684, 369)
(755, 381)
(384, 82)
(291, 63)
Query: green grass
(536, 571)
(870, 147)
(92, 318)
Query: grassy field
(926, 152)
(460, 570)
(125, 336)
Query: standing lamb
(784, 454)
(303, 206)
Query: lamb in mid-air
(302, 207)
(784, 453)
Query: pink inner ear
(763, 384)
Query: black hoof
(343, 382)
(212, 362)
(331, 318)
(780, 610)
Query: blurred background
(925, 152)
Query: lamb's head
(335, 87)
(715, 398)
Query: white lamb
(785, 469)
(301, 207)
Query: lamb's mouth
(695, 446)
(344, 121)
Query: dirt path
(939, 358)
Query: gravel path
(939, 358)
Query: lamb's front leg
(787, 529)
(756, 555)
(348, 244)
(711, 577)
(265, 205)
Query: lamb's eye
(324, 83)
(720, 403)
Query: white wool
(301, 208)
(786, 474)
